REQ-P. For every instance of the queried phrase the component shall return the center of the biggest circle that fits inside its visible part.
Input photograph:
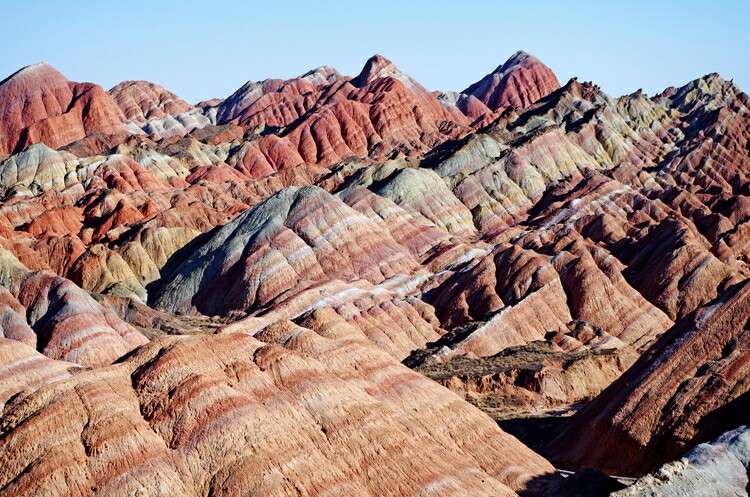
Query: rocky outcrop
(38, 169)
(531, 377)
(275, 102)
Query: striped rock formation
(25, 370)
(209, 415)
(688, 388)
(518, 83)
(67, 323)
(141, 101)
(38, 104)
(348, 223)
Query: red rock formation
(274, 102)
(25, 370)
(207, 415)
(30, 95)
(69, 325)
(38, 104)
(331, 118)
(332, 215)
(295, 239)
(140, 101)
(519, 82)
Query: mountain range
(335, 285)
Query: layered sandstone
(348, 223)
(38, 104)
(352, 420)
(688, 388)
(519, 82)
(67, 323)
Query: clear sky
(207, 49)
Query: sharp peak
(710, 80)
(378, 59)
(516, 59)
(714, 77)
(521, 55)
(580, 88)
(710, 84)
(376, 66)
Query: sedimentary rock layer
(687, 388)
(207, 415)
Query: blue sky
(202, 50)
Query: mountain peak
(321, 75)
(39, 66)
(518, 82)
(517, 59)
(376, 66)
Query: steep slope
(300, 250)
(688, 388)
